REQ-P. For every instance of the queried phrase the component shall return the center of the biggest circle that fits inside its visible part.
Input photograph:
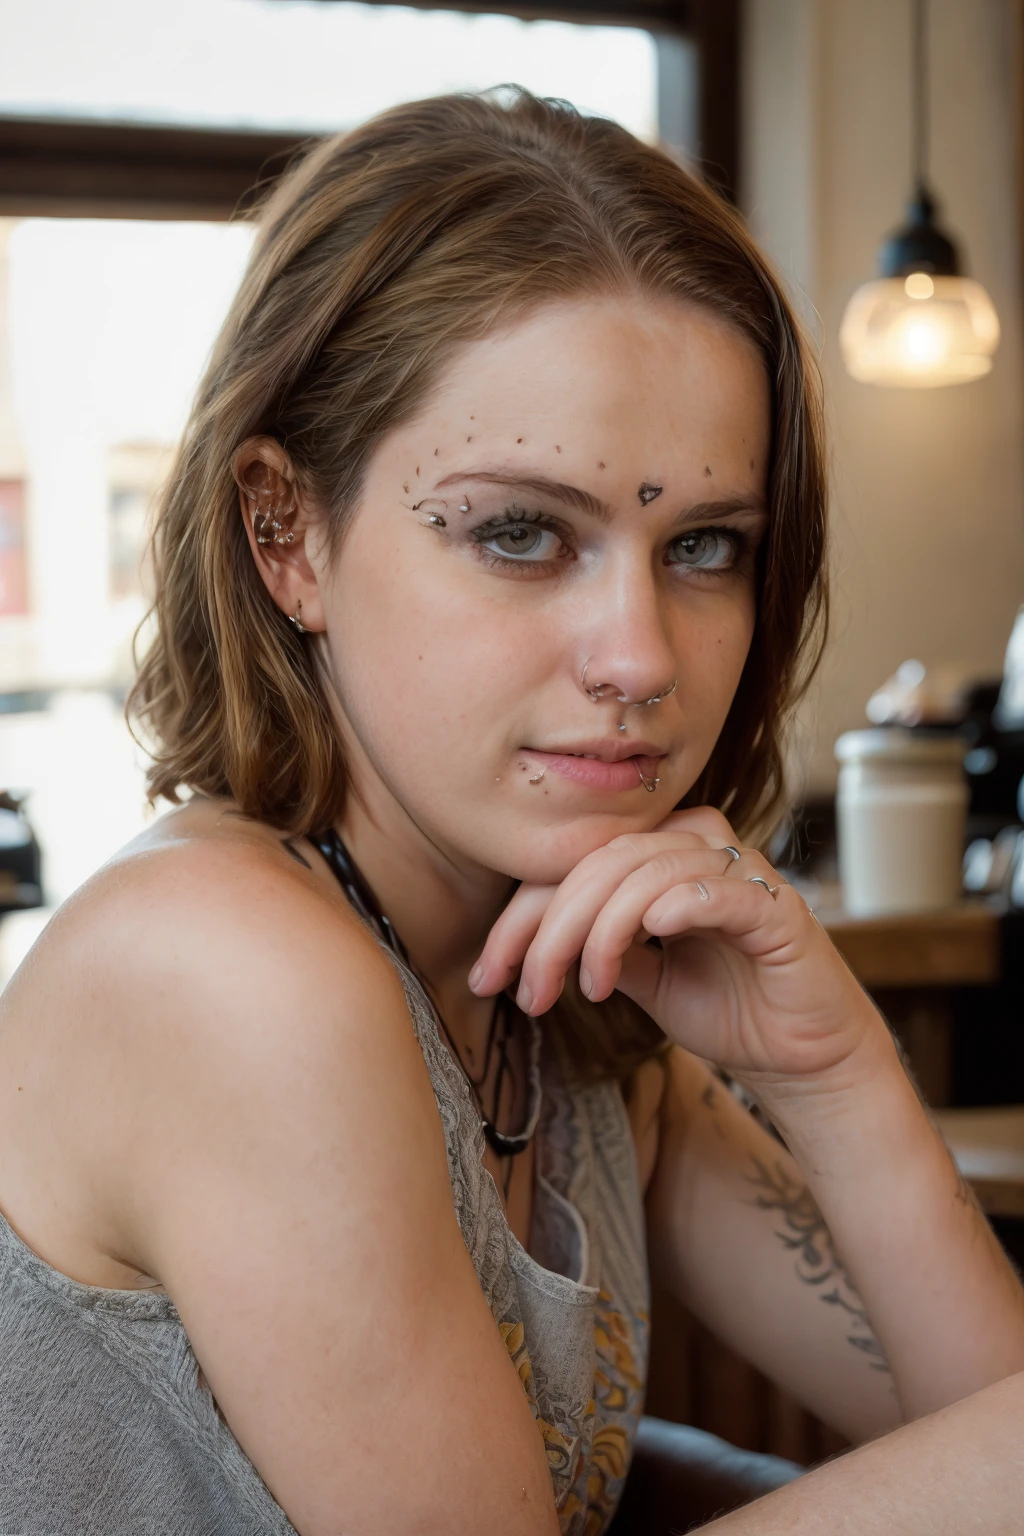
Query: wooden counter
(955, 948)
(909, 964)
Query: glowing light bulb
(919, 331)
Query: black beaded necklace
(352, 881)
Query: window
(302, 64)
(169, 110)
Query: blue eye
(525, 541)
(706, 549)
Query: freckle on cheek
(600, 464)
(557, 448)
(436, 452)
(707, 469)
(518, 439)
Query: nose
(624, 641)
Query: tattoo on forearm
(816, 1262)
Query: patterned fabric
(574, 1311)
(107, 1427)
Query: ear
(282, 526)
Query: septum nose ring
(602, 692)
(599, 693)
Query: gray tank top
(107, 1427)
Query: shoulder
(212, 951)
(221, 905)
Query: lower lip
(595, 774)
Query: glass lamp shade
(919, 331)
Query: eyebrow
(727, 506)
(568, 495)
(593, 506)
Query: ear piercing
(267, 527)
(296, 618)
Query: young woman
(341, 1112)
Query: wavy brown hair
(378, 256)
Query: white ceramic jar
(901, 807)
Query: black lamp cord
(919, 103)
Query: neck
(441, 908)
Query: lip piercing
(599, 692)
(649, 784)
(730, 849)
(773, 890)
(622, 727)
(703, 891)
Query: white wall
(928, 484)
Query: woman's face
(585, 490)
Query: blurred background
(874, 146)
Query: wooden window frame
(94, 169)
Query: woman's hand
(744, 975)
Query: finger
(757, 919)
(509, 939)
(569, 921)
(640, 975)
(511, 936)
(622, 916)
(752, 863)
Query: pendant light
(921, 323)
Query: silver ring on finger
(733, 853)
(773, 890)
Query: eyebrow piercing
(648, 492)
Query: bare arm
(956, 1471)
(285, 1174)
(743, 976)
(735, 1233)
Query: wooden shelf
(955, 948)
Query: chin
(546, 855)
